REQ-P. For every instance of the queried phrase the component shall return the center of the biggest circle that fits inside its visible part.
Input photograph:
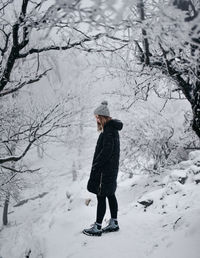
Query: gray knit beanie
(102, 109)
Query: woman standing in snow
(104, 171)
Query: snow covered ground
(50, 226)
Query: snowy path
(51, 226)
(141, 235)
(64, 236)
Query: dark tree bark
(146, 52)
(196, 112)
(16, 45)
(5, 210)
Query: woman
(104, 171)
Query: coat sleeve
(106, 151)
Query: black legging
(101, 207)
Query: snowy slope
(51, 226)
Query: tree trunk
(140, 6)
(196, 114)
(5, 210)
(7, 200)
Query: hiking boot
(111, 227)
(95, 230)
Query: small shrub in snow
(151, 143)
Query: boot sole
(110, 230)
(91, 234)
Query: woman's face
(97, 119)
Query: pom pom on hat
(105, 102)
(102, 109)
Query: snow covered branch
(21, 85)
(35, 130)
(67, 19)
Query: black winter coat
(105, 164)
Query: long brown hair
(103, 121)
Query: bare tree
(169, 47)
(40, 28)
(33, 130)
(20, 131)
(28, 31)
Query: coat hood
(116, 123)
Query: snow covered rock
(197, 179)
(179, 175)
(176, 176)
(194, 170)
(194, 155)
(173, 188)
(146, 203)
(184, 164)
